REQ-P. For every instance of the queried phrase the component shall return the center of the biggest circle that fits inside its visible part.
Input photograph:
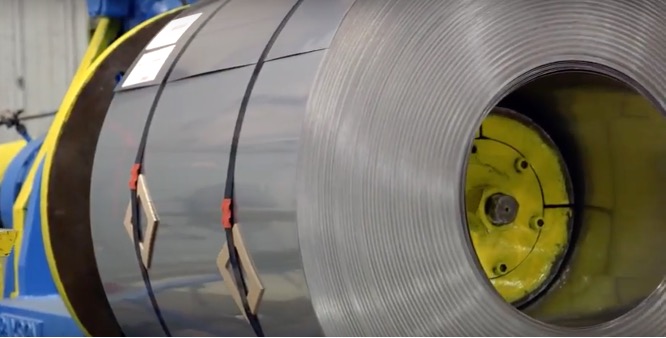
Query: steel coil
(186, 155)
(404, 86)
(344, 128)
(66, 182)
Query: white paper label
(170, 34)
(148, 66)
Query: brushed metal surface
(350, 163)
(185, 166)
(390, 121)
(234, 37)
(266, 195)
(311, 28)
(109, 195)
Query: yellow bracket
(7, 240)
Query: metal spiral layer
(350, 166)
(389, 124)
(194, 99)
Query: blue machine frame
(38, 311)
(132, 12)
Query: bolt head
(501, 209)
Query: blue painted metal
(10, 187)
(36, 317)
(35, 276)
(132, 12)
(47, 316)
(38, 311)
(14, 177)
(110, 8)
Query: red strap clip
(134, 176)
(226, 213)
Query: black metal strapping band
(228, 219)
(137, 170)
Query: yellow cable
(105, 33)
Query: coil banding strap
(137, 238)
(135, 175)
(228, 219)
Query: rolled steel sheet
(67, 232)
(390, 122)
(349, 171)
(186, 157)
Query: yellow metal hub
(518, 202)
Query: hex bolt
(501, 209)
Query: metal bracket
(152, 221)
(7, 240)
(255, 289)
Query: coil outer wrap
(349, 169)
(194, 106)
(389, 123)
(65, 189)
